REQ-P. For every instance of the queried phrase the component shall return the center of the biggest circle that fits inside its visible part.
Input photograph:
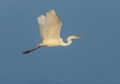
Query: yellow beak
(79, 37)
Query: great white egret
(50, 27)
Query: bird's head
(72, 37)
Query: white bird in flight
(50, 27)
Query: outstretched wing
(41, 22)
(52, 26)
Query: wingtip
(41, 19)
(51, 11)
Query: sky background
(92, 60)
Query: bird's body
(50, 27)
(56, 42)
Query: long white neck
(68, 40)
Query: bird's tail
(28, 51)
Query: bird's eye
(75, 37)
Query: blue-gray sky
(92, 60)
